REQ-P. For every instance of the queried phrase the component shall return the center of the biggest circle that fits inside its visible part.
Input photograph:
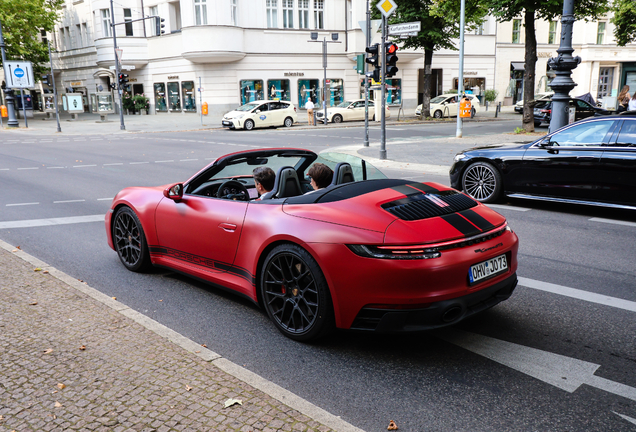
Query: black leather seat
(286, 184)
(342, 174)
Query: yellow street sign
(387, 7)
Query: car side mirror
(174, 192)
(257, 111)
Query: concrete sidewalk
(75, 359)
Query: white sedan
(261, 114)
(349, 111)
(446, 106)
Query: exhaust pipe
(451, 314)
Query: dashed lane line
(22, 204)
(68, 201)
(507, 207)
(51, 221)
(612, 221)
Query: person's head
(264, 179)
(624, 91)
(321, 175)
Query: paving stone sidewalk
(71, 363)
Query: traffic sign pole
(12, 121)
(57, 113)
(117, 70)
(383, 104)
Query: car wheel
(437, 114)
(130, 241)
(249, 125)
(472, 112)
(295, 293)
(337, 118)
(289, 122)
(537, 123)
(482, 182)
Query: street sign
(375, 25)
(411, 27)
(387, 7)
(19, 74)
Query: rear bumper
(438, 314)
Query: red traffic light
(391, 48)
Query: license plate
(486, 269)
(227, 123)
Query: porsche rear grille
(428, 205)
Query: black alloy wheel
(482, 182)
(472, 112)
(248, 125)
(295, 293)
(337, 118)
(289, 122)
(130, 241)
(438, 114)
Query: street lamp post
(117, 68)
(334, 39)
(563, 64)
(12, 121)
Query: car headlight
(460, 156)
(240, 116)
(395, 252)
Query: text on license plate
(226, 123)
(488, 268)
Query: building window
(153, 12)
(106, 23)
(234, 12)
(272, 13)
(393, 91)
(43, 37)
(308, 89)
(303, 13)
(335, 94)
(251, 90)
(127, 19)
(552, 36)
(279, 90)
(69, 38)
(516, 31)
(79, 38)
(200, 12)
(605, 80)
(160, 97)
(174, 97)
(480, 29)
(189, 96)
(62, 39)
(288, 13)
(600, 33)
(319, 8)
(85, 34)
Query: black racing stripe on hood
(477, 219)
(461, 224)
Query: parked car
(261, 114)
(366, 252)
(350, 110)
(446, 106)
(592, 161)
(537, 97)
(543, 110)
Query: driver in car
(321, 176)
(263, 179)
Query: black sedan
(543, 110)
(592, 161)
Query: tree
(440, 29)
(625, 21)
(506, 10)
(22, 21)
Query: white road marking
(629, 419)
(164, 161)
(188, 160)
(68, 201)
(507, 207)
(29, 168)
(110, 164)
(137, 163)
(612, 221)
(579, 294)
(22, 204)
(56, 167)
(83, 166)
(104, 199)
(563, 372)
(51, 221)
(4, 169)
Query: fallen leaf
(114, 298)
(18, 248)
(48, 351)
(37, 269)
(33, 303)
(204, 345)
(392, 426)
(45, 272)
(61, 386)
(58, 405)
(160, 300)
(82, 348)
(230, 402)
(188, 388)
(54, 391)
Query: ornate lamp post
(563, 64)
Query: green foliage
(127, 101)
(141, 102)
(490, 95)
(506, 10)
(21, 22)
(519, 130)
(451, 91)
(625, 21)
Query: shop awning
(518, 66)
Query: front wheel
(249, 125)
(289, 122)
(472, 113)
(337, 118)
(482, 182)
(295, 293)
(130, 241)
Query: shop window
(303, 14)
(189, 96)
(336, 92)
(105, 13)
(308, 89)
(279, 90)
(200, 12)
(552, 36)
(600, 34)
(319, 8)
(288, 13)
(272, 13)
(394, 91)
(127, 20)
(251, 90)
(516, 31)
(160, 97)
(605, 80)
(174, 97)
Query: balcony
(213, 44)
(135, 51)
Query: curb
(273, 390)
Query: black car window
(584, 134)
(263, 107)
(583, 105)
(627, 135)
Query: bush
(490, 95)
(127, 101)
(141, 102)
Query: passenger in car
(321, 175)
(263, 179)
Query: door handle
(228, 227)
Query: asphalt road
(548, 359)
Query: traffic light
(159, 26)
(123, 80)
(373, 55)
(46, 80)
(390, 69)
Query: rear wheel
(337, 118)
(249, 125)
(130, 241)
(482, 182)
(472, 112)
(289, 122)
(295, 293)
(437, 114)
(537, 123)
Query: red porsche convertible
(365, 253)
